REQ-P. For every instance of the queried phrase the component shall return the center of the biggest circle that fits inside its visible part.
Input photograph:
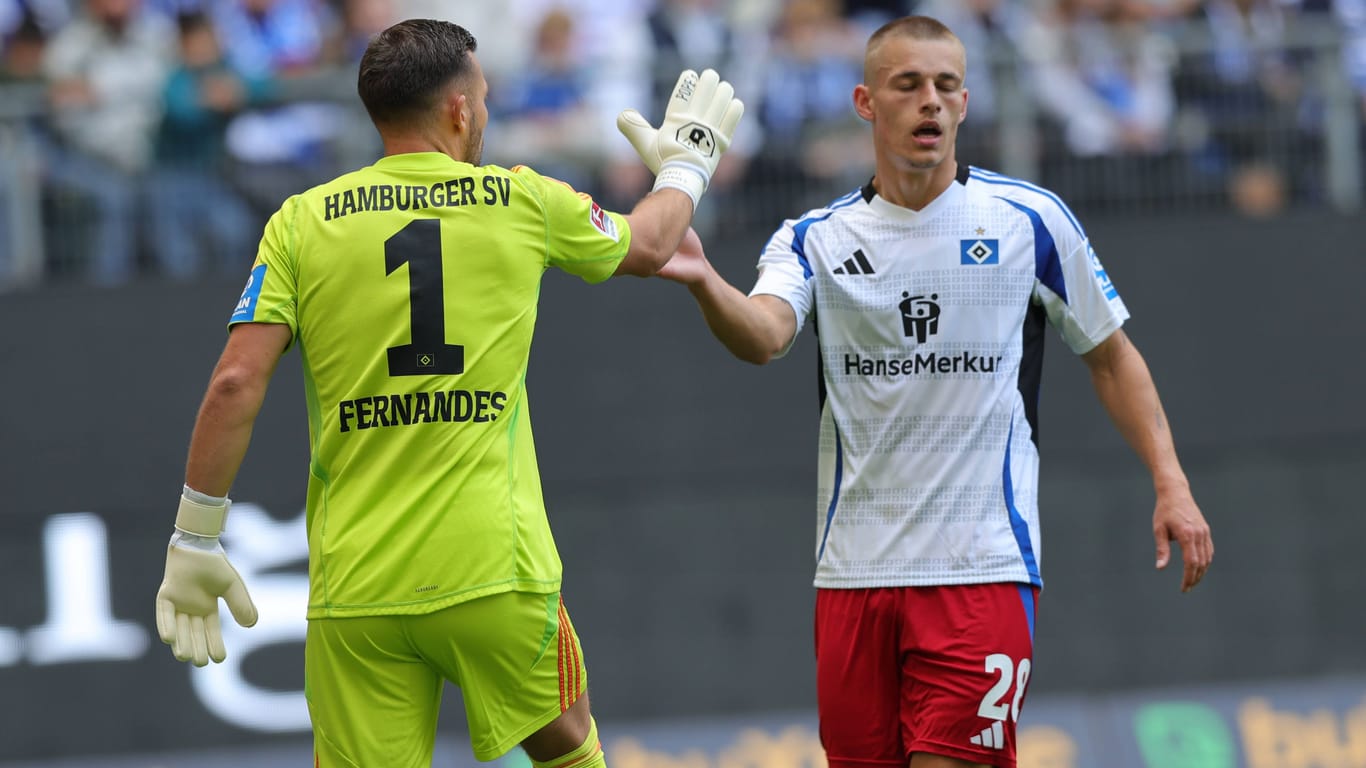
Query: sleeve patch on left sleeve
(251, 295)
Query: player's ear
(964, 112)
(863, 102)
(456, 101)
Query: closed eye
(911, 81)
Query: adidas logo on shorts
(991, 738)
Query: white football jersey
(930, 326)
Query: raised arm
(682, 153)
(658, 223)
(753, 328)
(1126, 389)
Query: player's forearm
(742, 324)
(658, 224)
(222, 433)
(1126, 389)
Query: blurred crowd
(163, 132)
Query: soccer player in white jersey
(929, 289)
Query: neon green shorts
(374, 683)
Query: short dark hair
(406, 66)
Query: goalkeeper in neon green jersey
(410, 289)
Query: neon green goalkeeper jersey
(411, 288)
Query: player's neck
(914, 188)
(407, 143)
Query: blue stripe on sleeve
(1047, 262)
(799, 243)
(799, 229)
(988, 177)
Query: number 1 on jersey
(419, 246)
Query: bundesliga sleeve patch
(251, 294)
(1102, 279)
(603, 223)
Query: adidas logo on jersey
(991, 738)
(855, 265)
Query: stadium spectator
(868, 15)
(275, 38)
(513, 22)
(546, 118)
(1102, 76)
(812, 137)
(1248, 91)
(614, 41)
(280, 148)
(171, 9)
(1351, 14)
(724, 37)
(361, 20)
(21, 54)
(105, 71)
(430, 555)
(551, 81)
(929, 289)
(47, 15)
(687, 33)
(200, 223)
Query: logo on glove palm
(698, 138)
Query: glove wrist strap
(200, 517)
(684, 177)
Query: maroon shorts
(940, 669)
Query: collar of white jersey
(882, 207)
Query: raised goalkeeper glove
(197, 574)
(697, 127)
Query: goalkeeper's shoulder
(524, 175)
(538, 186)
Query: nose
(931, 103)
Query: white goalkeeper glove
(698, 125)
(197, 574)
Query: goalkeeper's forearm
(222, 432)
(658, 224)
